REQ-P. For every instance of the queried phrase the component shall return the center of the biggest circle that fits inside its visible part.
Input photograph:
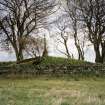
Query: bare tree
(93, 15)
(34, 46)
(76, 26)
(63, 36)
(20, 18)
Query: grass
(48, 91)
(49, 61)
(60, 60)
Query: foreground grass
(41, 91)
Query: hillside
(48, 61)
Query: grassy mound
(56, 61)
(48, 61)
(64, 61)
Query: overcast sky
(53, 50)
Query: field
(50, 91)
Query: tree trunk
(18, 53)
(80, 53)
(19, 56)
(67, 51)
(98, 58)
(103, 51)
(77, 44)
